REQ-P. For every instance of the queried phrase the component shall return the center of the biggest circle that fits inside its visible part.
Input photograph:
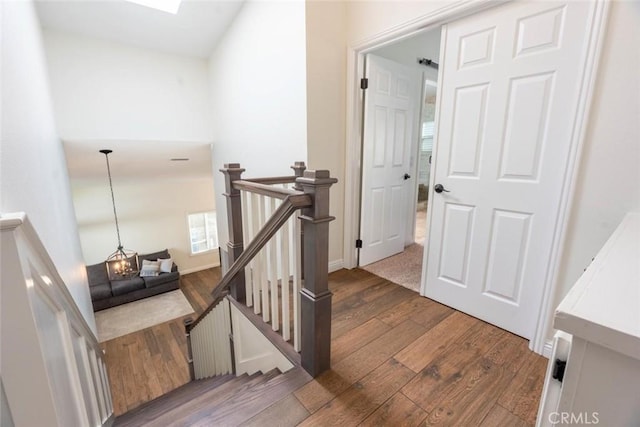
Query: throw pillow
(151, 263)
(149, 268)
(165, 265)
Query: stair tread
(228, 400)
(245, 403)
(178, 396)
(208, 394)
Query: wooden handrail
(265, 189)
(289, 205)
(273, 180)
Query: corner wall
(33, 172)
(258, 94)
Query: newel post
(315, 296)
(232, 172)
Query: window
(203, 232)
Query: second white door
(391, 103)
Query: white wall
(608, 183)
(326, 113)
(33, 173)
(152, 215)
(258, 93)
(106, 90)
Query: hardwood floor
(149, 363)
(397, 359)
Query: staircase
(278, 230)
(221, 400)
(278, 234)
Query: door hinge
(358, 244)
(558, 369)
(364, 83)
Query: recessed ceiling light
(170, 6)
(180, 159)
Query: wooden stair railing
(310, 194)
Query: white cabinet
(599, 338)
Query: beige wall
(608, 182)
(326, 113)
(369, 19)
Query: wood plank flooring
(149, 363)
(397, 359)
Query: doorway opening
(397, 154)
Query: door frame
(353, 166)
(416, 152)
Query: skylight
(170, 6)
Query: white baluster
(283, 250)
(247, 237)
(257, 265)
(264, 279)
(297, 279)
(273, 272)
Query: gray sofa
(107, 293)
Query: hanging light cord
(113, 200)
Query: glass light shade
(122, 264)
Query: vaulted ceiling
(194, 30)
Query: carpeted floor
(405, 268)
(127, 318)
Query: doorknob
(406, 176)
(438, 188)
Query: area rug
(127, 318)
(404, 269)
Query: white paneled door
(509, 97)
(391, 102)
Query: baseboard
(199, 268)
(547, 349)
(336, 265)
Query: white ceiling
(137, 160)
(194, 30)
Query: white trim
(199, 268)
(448, 13)
(591, 63)
(547, 349)
(434, 153)
(335, 265)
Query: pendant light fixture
(123, 263)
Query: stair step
(187, 403)
(173, 399)
(246, 403)
(224, 400)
